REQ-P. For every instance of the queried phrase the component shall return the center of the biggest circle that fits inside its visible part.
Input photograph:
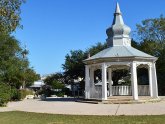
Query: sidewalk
(75, 108)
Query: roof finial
(118, 19)
(117, 11)
(118, 30)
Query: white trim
(150, 79)
(154, 79)
(134, 80)
(87, 79)
(110, 81)
(104, 81)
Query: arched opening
(120, 84)
(143, 80)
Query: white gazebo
(119, 54)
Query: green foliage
(8, 93)
(46, 90)
(10, 15)
(54, 83)
(14, 94)
(57, 85)
(66, 91)
(74, 66)
(4, 94)
(19, 94)
(30, 76)
(58, 94)
(152, 35)
(14, 69)
(54, 77)
(96, 48)
(152, 30)
(23, 93)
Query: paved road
(68, 106)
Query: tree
(152, 30)
(74, 66)
(54, 77)
(152, 35)
(10, 15)
(56, 85)
(96, 48)
(14, 69)
(30, 76)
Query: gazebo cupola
(118, 55)
(118, 33)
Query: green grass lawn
(17, 117)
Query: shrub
(60, 94)
(4, 94)
(67, 91)
(46, 90)
(23, 93)
(14, 94)
(8, 93)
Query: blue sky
(51, 28)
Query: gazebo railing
(143, 90)
(121, 90)
(96, 91)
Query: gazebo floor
(122, 100)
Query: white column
(110, 81)
(87, 82)
(91, 82)
(150, 79)
(134, 81)
(154, 81)
(104, 81)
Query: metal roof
(119, 51)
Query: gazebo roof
(120, 51)
(119, 42)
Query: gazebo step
(129, 101)
(120, 100)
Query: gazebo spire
(118, 19)
(118, 33)
(117, 9)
